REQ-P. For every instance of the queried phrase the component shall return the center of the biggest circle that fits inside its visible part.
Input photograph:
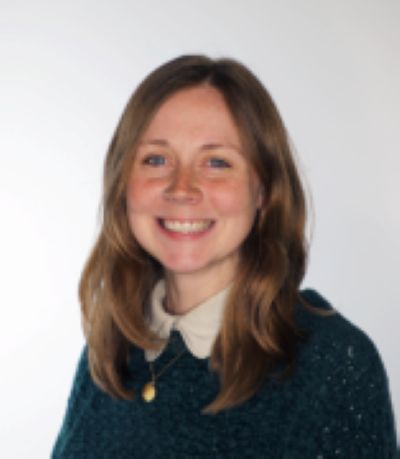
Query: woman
(199, 343)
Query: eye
(218, 163)
(154, 160)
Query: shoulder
(345, 399)
(336, 345)
(347, 360)
(80, 396)
(330, 333)
(82, 381)
(82, 384)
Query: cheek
(139, 195)
(138, 203)
(236, 200)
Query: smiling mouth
(187, 226)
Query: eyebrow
(206, 146)
(160, 142)
(216, 146)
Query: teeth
(186, 227)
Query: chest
(173, 425)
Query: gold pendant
(149, 392)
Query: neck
(185, 292)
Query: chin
(183, 266)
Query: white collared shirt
(199, 327)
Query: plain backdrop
(66, 72)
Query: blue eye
(218, 163)
(154, 160)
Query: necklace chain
(165, 368)
(149, 391)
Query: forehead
(199, 113)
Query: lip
(190, 236)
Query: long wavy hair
(258, 333)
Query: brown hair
(258, 333)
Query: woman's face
(192, 195)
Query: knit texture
(336, 404)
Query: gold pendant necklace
(149, 391)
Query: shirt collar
(199, 327)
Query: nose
(183, 187)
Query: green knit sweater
(336, 404)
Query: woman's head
(260, 131)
